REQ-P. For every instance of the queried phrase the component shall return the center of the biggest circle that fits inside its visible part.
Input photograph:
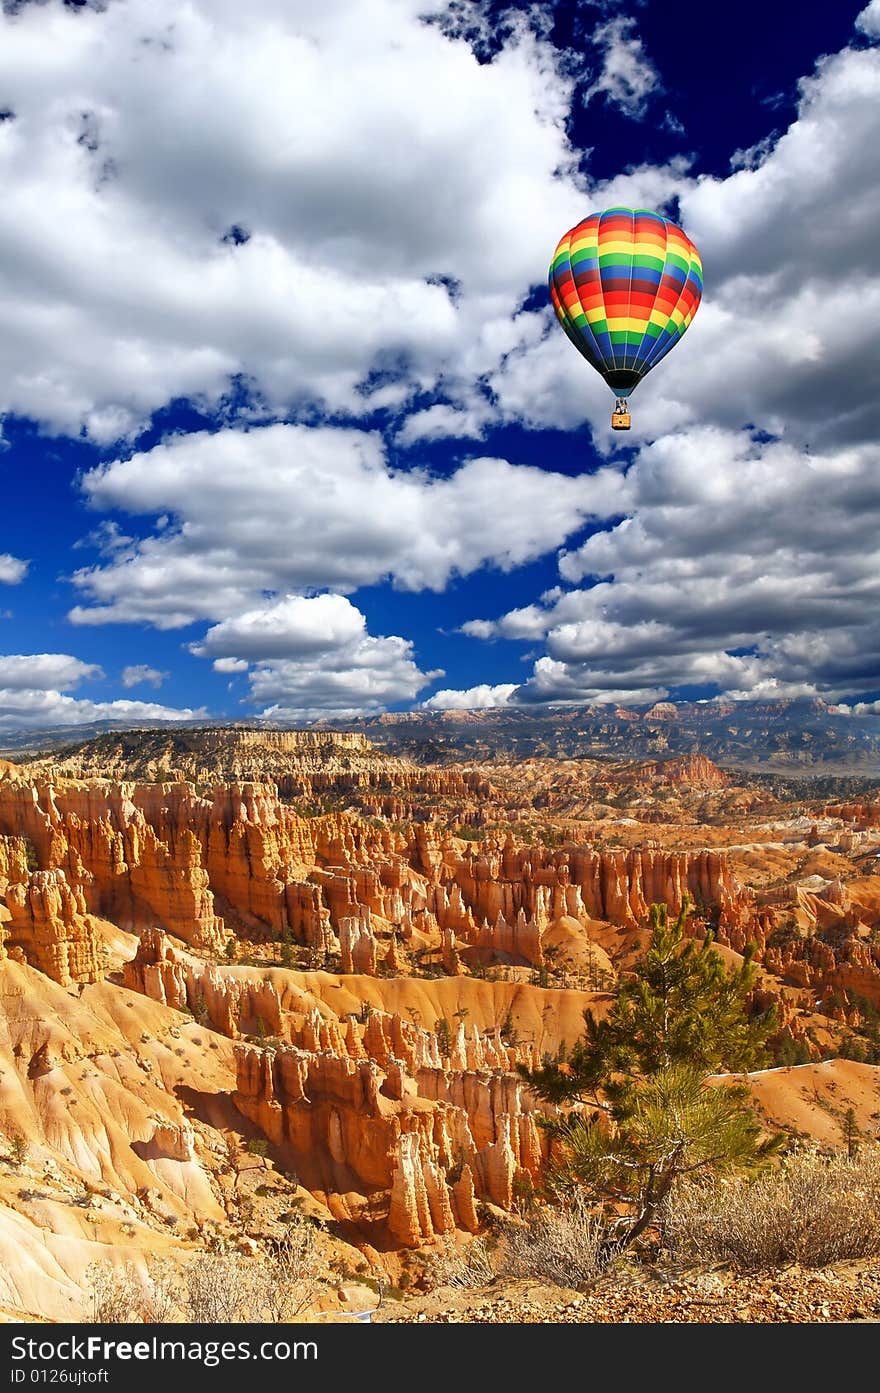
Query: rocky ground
(847, 1293)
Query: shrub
(113, 1293)
(165, 1297)
(813, 1210)
(470, 1266)
(18, 1149)
(567, 1245)
(286, 1281)
(220, 1289)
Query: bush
(567, 1245)
(113, 1293)
(18, 1149)
(220, 1289)
(470, 1266)
(288, 1277)
(813, 1210)
(164, 1299)
(789, 1052)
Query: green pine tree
(851, 1133)
(652, 1116)
(682, 1006)
(443, 1032)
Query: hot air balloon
(625, 285)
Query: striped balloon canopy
(625, 285)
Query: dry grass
(212, 1287)
(565, 1245)
(288, 1278)
(113, 1293)
(812, 1210)
(468, 1266)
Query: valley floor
(849, 1292)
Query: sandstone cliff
(50, 926)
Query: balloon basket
(621, 419)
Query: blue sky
(288, 427)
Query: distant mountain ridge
(205, 754)
(785, 737)
(796, 738)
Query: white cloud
(784, 338)
(749, 565)
(23, 709)
(313, 656)
(558, 683)
(285, 508)
(479, 698)
(442, 422)
(868, 19)
(361, 678)
(12, 569)
(145, 131)
(22, 671)
(33, 693)
(138, 673)
(742, 562)
(627, 77)
(294, 626)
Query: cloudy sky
(289, 428)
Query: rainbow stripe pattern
(625, 285)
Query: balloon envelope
(625, 285)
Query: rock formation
(341, 1119)
(13, 861)
(227, 1001)
(861, 815)
(586, 884)
(145, 855)
(50, 925)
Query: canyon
(231, 954)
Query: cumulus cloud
(557, 684)
(186, 185)
(627, 77)
(868, 20)
(744, 565)
(12, 569)
(34, 691)
(479, 698)
(23, 671)
(310, 656)
(141, 673)
(285, 508)
(24, 709)
(442, 422)
(785, 336)
(293, 626)
(193, 193)
(357, 678)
